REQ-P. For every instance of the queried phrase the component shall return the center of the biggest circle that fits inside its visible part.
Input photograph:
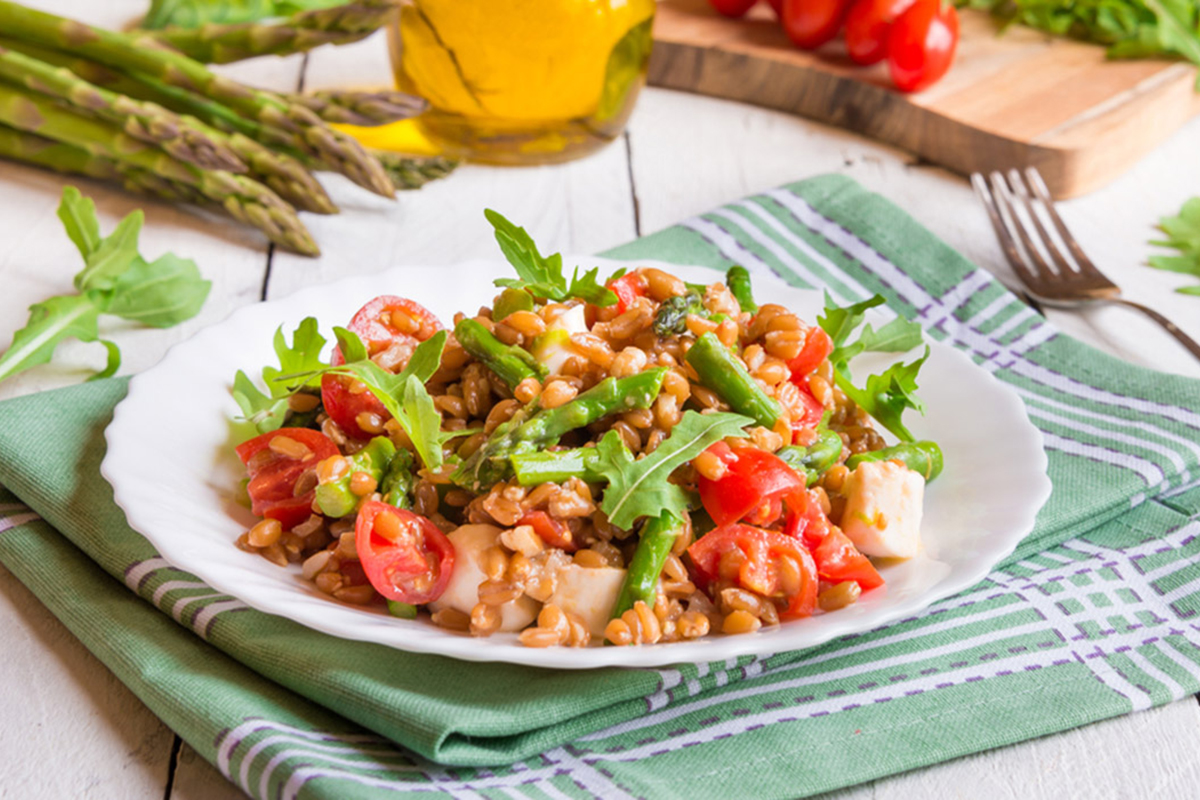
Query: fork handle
(1173, 329)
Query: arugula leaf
(352, 346)
(51, 322)
(839, 323)
(1183, 234)
(302, 360)
(160, 293)
(887, 395)
(640, 488)
(542, 276)
(115, 280)
(265, 412)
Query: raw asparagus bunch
(361, 108)
(281, 122)
(216, 43)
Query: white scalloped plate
(173, 471)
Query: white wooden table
(68, 728)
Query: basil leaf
(641, 488)
(160, 293)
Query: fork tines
(1034, 238)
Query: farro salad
(630, 460)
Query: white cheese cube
(884, 500)
(588, 592)
(462, 592)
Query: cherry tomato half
(755, 482)
(812, 23)
(375, 323)
(813, 412)
(405, 556)
(732, 8)
(921, 44)
(839, 560)
(551, 531)
(754, 559)
(806, 521)
(867, 27)
(274, 472)
(628, 288)
(817, 347)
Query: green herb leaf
(1183, 234)
(640, 488)
(113, 256)
(160, 293)
(887, 395)
(839, 323)
(304, 355)
(49, 324)
(78, 215)
(351, 344)
(264, 411)
(542, 276)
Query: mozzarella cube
(554, 347)
(884, 500)
(588, 592)
(462, 592)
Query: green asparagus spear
(401, 610)
(334, 498)
(222, 43)
(143, 54)
(280, 170)
(410, 172)
(924, 457)
(738, 281)
(533, 469)
(240, 196)
(720, 371)
(816, 459)
(361, 108)
(531, 431)
(512, 364)
(144, 121)
(654, 545)
(398, 482)
(672, 315)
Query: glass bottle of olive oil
(522, 81)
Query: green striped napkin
(1093, 616)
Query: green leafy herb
(542, 276)
(301, 363)
(886, 396)
(303, 355)
(640, 488)
(115, 280)
(1131, 28)
(1183, 234)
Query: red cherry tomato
(812, 23)
(755, 482)
(752, 558)
(376, 326)
(921, 44)
(406, 557)
(551, 531)
(806, 521)
(628, 288)
(839, 560)
(813, 413)
(817, 347)
(273, 472)
(732, 8)
(867, 27)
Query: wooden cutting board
(1011, 99)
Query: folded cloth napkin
(1090, 618)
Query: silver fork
(1019, 208)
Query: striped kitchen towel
(1093, 616)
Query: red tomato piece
(839, 560)
(921, 44)
(551, 531)
(867, 27)
(628, 288)
(753, 559)
(817, 347)
(405, 556)
(813, 411)
(777, 7)
(376, 325)
(732, 8)
(806, 521)
(752, 478)
(274, 472)
(812, 23)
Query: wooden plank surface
(689, 154)
(1021, 98)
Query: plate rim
(644, 656)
